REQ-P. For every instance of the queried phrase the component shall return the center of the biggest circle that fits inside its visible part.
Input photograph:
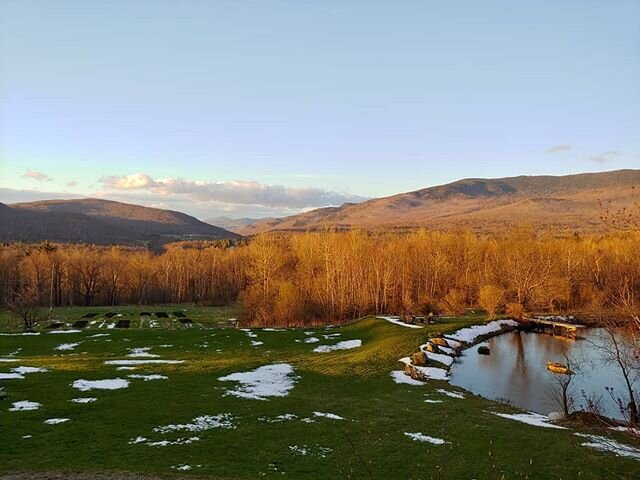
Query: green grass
(354, 384)
(211, 316)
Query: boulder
(555, 416)
(419, 358)
(439, 341)
(414, 373)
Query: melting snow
(25, 405)
(470, 334)
(266, 381)
(83, 400)
(419, 437)
(147, 378)
(109, 384)
(433, 373)
(451, 394)
(400, 377)
(344, 345)
(311, 340)
(142, 352)
(19, 334)
(66, 331)
(67, 346)
(439, 357)
(606, 444)
(304, 450)
(332, 416)
(23, 370)
(432, 401)
(256, 343)
(11, 376)
(200, 424)
(55, 421)
(530, 418)
(397, 321)
(285, 417)
(142, 362)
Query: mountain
(564, 204)
(99, 221)
(236, 224)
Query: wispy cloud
(605, 157)
(39, 176)
(72, 183)
(239, 192)
(562, 147)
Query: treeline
(333, 276)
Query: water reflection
(516, 371)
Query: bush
(515, 310)
(490, 299)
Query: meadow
(209, 400)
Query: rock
(419, 359)
(484, 350)
(439, 341)
(414, 373)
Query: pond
(516, 371)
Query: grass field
(274, 437)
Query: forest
(321, 277)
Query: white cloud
(605, 157)
(232, 193)
(562, 147)
(72, 183)
(39, 176)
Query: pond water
(516, 370)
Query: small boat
(556, 367)
(484, 350)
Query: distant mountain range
(564, 204)
(568, 203)
(237, 224)
(99, 221)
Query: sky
(271, 107)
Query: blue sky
(271, 107)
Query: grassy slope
(354, 384)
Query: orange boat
(556, 367)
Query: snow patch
(66, 331)
(400, 377)
(23, 370)
(344, 345)
(267, 381)
(108, 384)
(24, 405)
(470, 334)
(450, 393)
(148, 378)
(142, 352)
(331, 416)
(530, 418)
(311, 340)
(63, 347)
(55, 421)
(419, 437)
(200, 424)
(142, 362)
(605, 444)
(11, 376)
(397, 321)
(83, 400)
